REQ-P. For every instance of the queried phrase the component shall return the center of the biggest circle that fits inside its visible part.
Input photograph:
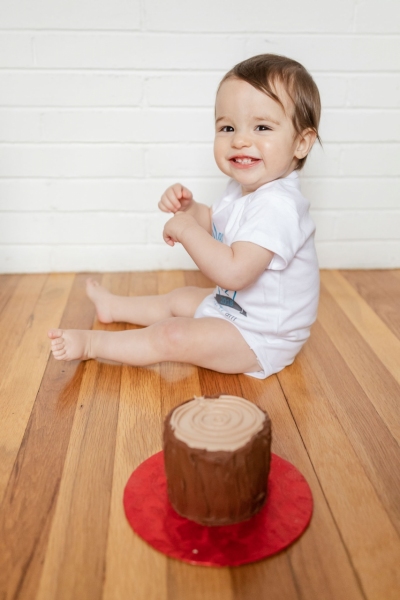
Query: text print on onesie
(225, 300)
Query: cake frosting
(217, 458)
(223, 423)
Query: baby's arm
(231, 267)
(179, 198)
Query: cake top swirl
(223, 423)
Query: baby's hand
(174, 228)
(175, 198)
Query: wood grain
(381, 290)
(197, 279)
(297, 571)
(16, 316)
(311, 559)
(138, 437)
(8, 284)
(384, 343)
(26, 361)
(32, 490)
(377, 450)
(376, 381)
(75, 561)
(363, 522)
(72, 433)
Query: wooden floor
(71, 434)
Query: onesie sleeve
(272, 222)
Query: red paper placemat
(284, 517)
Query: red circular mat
(284, 517)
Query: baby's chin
(250, 184)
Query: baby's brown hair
(263, 70)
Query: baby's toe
(92, 282)
(57, 344)
(58, 352)
(54, 333)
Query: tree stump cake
(217, 457)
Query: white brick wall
(104, 103)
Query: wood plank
(179, 382)
(381, 290)
(135, 569)
(395, 273)
(30, 498)
(170, 280)
(78, 437)
(75, 560)
(312, 557)
(377, 450)
(384, 343)
(372, 542)
(16, 316)
(382, 390)
(8, 284)
(271, 578)
(198, 583)
(307, 564)
(198, 279)
(21, 382)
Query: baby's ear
(305, 142)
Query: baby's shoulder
(284, 193)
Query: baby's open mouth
(244, 160)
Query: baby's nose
(241, 140)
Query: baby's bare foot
(71, 344)
(102, 300)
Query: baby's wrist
(187, 228)
(188, 206)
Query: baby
(256, 242)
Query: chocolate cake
(217, 457)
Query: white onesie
(274, 314)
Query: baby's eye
(263, 128)
(227, 128)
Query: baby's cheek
(222, 162)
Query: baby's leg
(144, 310)
(207, 342)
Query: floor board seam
(362, 591)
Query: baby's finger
(177, 190)
(162, 206)
(168, 240)
(173, 198)
(187, 194)
(167, 205)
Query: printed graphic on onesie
(216, 234)
(226, 300)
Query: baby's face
(255, 141)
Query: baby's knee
(181, 301)
(172, 335)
